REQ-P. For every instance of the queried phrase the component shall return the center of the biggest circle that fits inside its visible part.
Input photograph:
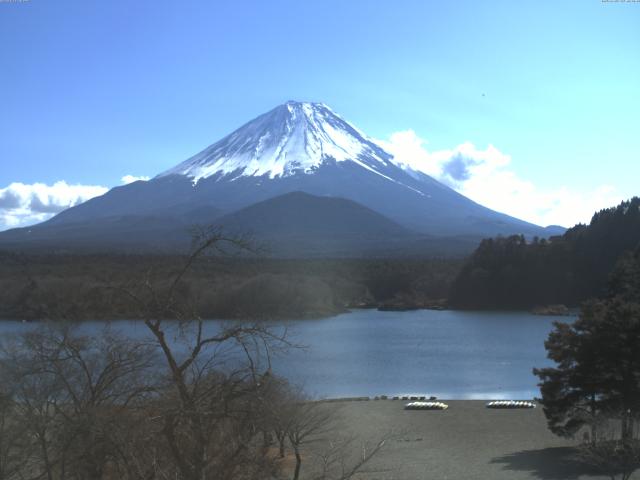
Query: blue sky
(91, 91)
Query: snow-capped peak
(296, 137)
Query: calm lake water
(449, 354)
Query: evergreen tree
(513, 273)
(597, 373)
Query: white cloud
(25, 204)
(485, 176)
(132, 178)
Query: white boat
(511, 404)
(426, 406)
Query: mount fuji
(298, 147)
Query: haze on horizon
(529, 108)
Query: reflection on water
(448, 354)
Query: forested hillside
(511, 272)
(78, 287)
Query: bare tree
(209, 413)
(612, 458)
(336, 462)
(616, 450)
(70, 392)
(13, 440)
(308, 423)
(313, 432)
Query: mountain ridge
(295, 147)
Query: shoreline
(310, 316)
(415, 398)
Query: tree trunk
(45, 456)
(281, 439)
(594, 421)
(626, 427)
(296, 473)
(281, 446)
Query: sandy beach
(467, 441)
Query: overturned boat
(511, 404)
(426, 406)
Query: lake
(449, 354)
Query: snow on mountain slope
(293, 138)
